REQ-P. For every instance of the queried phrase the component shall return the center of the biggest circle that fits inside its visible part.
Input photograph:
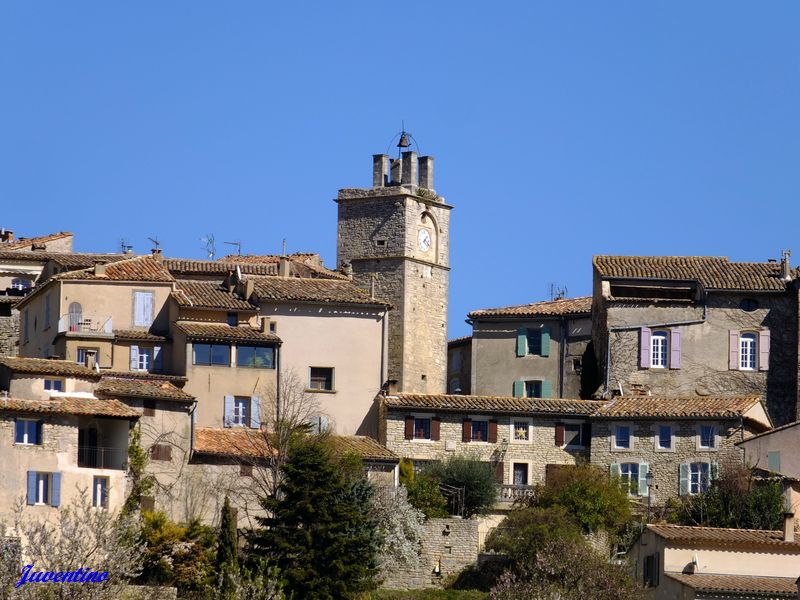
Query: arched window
(659, 349)
(20, 283)
(748, 351)
(75, 316)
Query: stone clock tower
(396, 238)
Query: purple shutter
(675, 348)
(733, 349)
(644, 348)
(763, 350)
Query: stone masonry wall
(9, 334)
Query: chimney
(90, 359)
(380, 170)
(410, 165)
(426, 172)
(99, 268)
(264, 322)
(788, 527)
(786, 268)
(6, 235)
(249, 288)
(396, 167)
(156, 253)
(391, 387)
(284, 267)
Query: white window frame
(241, 418)
(512, 430)
(25, 441)
(749, 339)
(699, 474)
(627, 477)
(657, 437)
(21, 283)
(631, 437)
(662, 335)
(144, 361)
(54, 379)
(699, 437)
(421, 416)
(99, 492)
(527, 463)
(44, 490)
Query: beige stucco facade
(775, 450)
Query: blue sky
(560, 130)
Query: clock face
(424, 240)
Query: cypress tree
(227, 551)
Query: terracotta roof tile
(143, 375)
(288, 289)
(209, 294)
(138, 334)
(303, 264)
(22, 243)
(235, 441)
(718, 536)
(493, 404)
(48, 366)
(690, 408)
(365, 447)
(141, 388)
(214, 331)
(75, 260)
(138, 268)
(739, 584)
(713, 272)
(70, 406)
(548, 308)
(186, 266)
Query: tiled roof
(365, 447)
(713, 272)
(676, 408)
(187, 266)
(142, 388)
(459, 340)
(738, 584)
(719, 536)
(138, 334)
(25, 242)
(139, 268)
(303, 264)
(48, 366)
(215, 331)
(771, 431)
(548, 308)
(75, 260)
(209, 294)
(297, 289)
(493, 404)
(143, 375)
(235, 441)
(70, 405)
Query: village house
(459, 365)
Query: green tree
(227, 551)
(472, 475)
(318, 534)
(141, 483)
(424, 495)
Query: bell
(403, 143)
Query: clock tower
(395, 236)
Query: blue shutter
(684, 479)
(774, 460)
(255, 412)
(39, 432)
(519, 389)
(227, 419)
(55, 494)
(158, 359)
(134, 358)
(522, 341)
(643, 470)
(545, 339)
(547, 391)
(31, 487)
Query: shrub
(474, 476)
(424, 495)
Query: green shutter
(643, 470)
(684, 479)
(519, 389)
(522, 341)
(545, 333)
(774, 461)
(547, 391)
(614, 470)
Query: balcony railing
(75, 323)
(97, 457)
(512, 493)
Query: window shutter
(644, 348)
(435, 428)
(466, 430)
(255, 412)
(733, 350)
(713, 471)
(684, 479)
(94, 492)
(519, 389)
(675, 348)
(409, 432)
(492, 432)
(522, 341)
(614, 468)
(39, 432)
(134, 358)
(643, 469)
(763, 350)
(500, 472)
(545, 336)
(559, 434)
(158, 359)
(228, 415)
(774, 461)
(547, 389)
(31, 487)
(586, 435)
(55, 494)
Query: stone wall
(9, 334)
(448, 545)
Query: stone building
(532, 350)
(395, 239)
(459, 365)
(698, 325)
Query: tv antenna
(209, 247)
(238, 247)
(125, 247)
(156, 243)
(557, 292)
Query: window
(480, 431)
(27, 431)
(707, 438)
(145, 359)
(650, 571)
(534, 338)
(212, 354)
(255, 357)
(21, 284)
(422, 428)
(774, 460)
(233, 319)
(455, 363)
(241, 410)
(455, 385)
(80, 355)
(161, 452)
(149, 408)
(622, 437)
(748, 304)
(54, 385)
(572, 435)
(143, 309)
(44, 488)
(533, 389)
(664, 437)
(100, 492)
(321, 378)
(533, 341)
(520, 431)
(747, 352)
(520, 472)
(699, 477)
(629, 473)
(658, 350)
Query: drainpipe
(191, 428)
(651, 326)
